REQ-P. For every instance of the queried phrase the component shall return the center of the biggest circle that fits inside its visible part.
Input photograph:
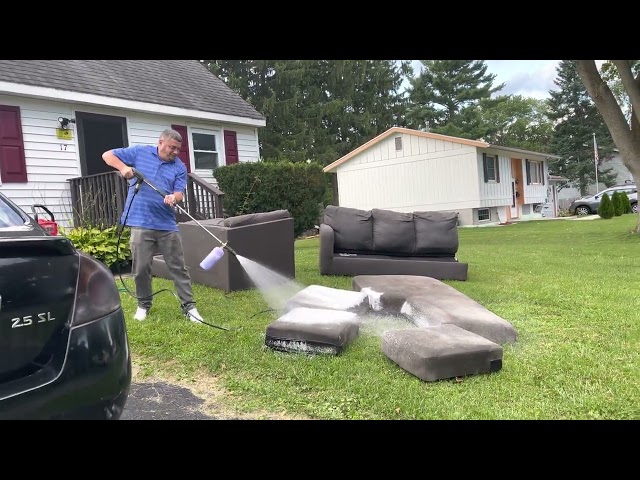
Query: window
(484, 214)
(490, 165)
(398, 144)
(535, 172)
(205, 152)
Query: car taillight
(96, 294)
(49, 226)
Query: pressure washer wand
(141, 179)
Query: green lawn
(570, 288)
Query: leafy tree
(519, 122)
(445, 98)
(612, 77)
(576, 119)
(625, 133)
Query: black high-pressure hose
(140, 179)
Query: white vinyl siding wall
(539, 192)
(427, 174)
(50, 161)
(50, 164)
(495, 194)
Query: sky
(529, 78)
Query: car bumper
(88, 379)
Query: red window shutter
(230, 147)
(13, 167)
(184, 148)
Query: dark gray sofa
(385, 242)
(266, 238)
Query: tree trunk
(626, 137)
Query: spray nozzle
(229, 249)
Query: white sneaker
(194, 316)
(141, 314)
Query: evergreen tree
(626, 203)
(576, 119)
(617, 202)
(445, 98)
(318, 110)
(605, 209)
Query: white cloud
(529, 78)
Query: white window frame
(488, 219)
(492, 161)
(217, 134)
(536, 169)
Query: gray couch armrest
(326, 249)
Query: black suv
(64, 349)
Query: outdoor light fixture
(63, 121)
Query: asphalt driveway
(163, 401)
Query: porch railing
(98, 200)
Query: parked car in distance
(589, 204)
(64, 349)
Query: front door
(96, 135)
(517, 191)
(514, 198)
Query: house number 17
(63, 146)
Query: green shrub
(626, 203)
(101, 244)
(605, 210)
(253, 187)
(616, 201)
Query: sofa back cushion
(352, 228)
(436, 233)
(253, 218)
(393, 232)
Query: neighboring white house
(57, 117)
(409, 170)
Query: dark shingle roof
(178, 83)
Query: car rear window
(8, 216)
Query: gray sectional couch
(266, 238)
(385, 242)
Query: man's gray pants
(144, 243)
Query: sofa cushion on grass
(441, 352)
(393, 231)
(318, 296)
(312, 331)
(436, 233)
(253, 218)
(352, 228)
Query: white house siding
(536, 193)
(618, 168)
(494, 194)
(426, 175)
(51, 162)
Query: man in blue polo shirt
(152, 218)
